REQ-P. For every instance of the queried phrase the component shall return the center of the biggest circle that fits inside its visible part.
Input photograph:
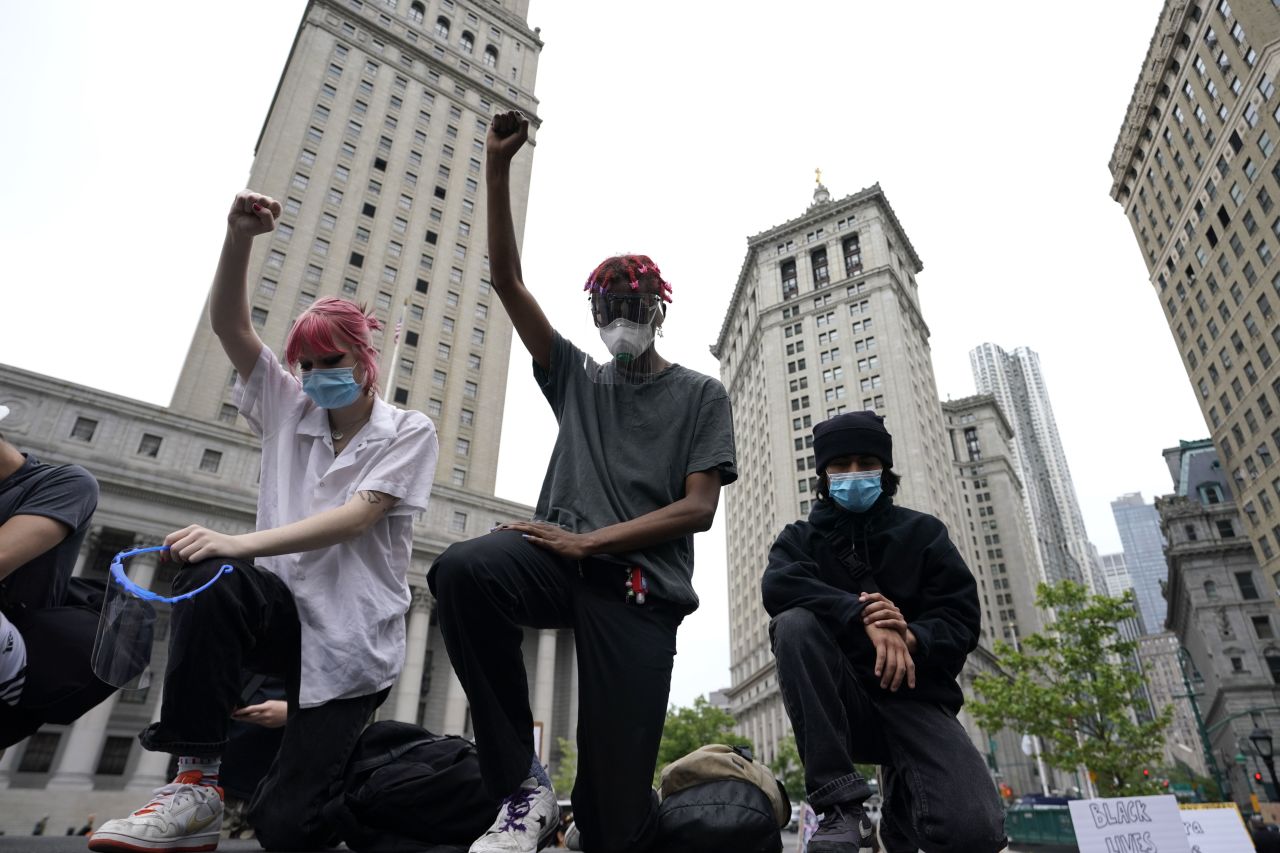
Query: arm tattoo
(376, 498)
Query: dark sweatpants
(248, 620)
(938, 794)
(488, 588)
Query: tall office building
(374, 144)
(1115, 575)
(825, 318)
(1139, 526)
(1195, 170)
(995, 521)
(1053, 513)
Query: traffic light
(1257, 776)
(1146, 774)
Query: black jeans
(938, 794)
(488, 588)
(248, 620)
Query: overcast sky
(669, 129)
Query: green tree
(786, 765)
(566, 768)
(1075, 686)
(686, 729)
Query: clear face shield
(626, 324)
(122, 648)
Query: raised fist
(253, 214)
(507, 133)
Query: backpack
(406, 790)
(717, 798)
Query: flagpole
(395, 351)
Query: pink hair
(630, 268)
(330, 324)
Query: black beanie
(852, 434)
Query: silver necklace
(338, 435)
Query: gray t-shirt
(624, 450)
(64, 493)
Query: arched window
(1210, 590)
(467, 42)
(442, 27)
(490, 56)
(417, 12)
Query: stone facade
(1004, 548)
(1195, 169)
(1220, 610)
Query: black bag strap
(858, 570)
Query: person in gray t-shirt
(643, 449)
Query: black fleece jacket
(912, 562)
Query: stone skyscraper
(1195, 169)
(825, 318)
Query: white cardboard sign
(1215, 828)
(1129, 825)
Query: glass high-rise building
(1139, 526)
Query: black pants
(938, 794)
(487, 589)
(248, 620)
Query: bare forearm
(229, 297)
(504, 256)
(682, 518)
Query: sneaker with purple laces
(844, 828)
(527, 821)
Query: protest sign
(1215, 828)
(1129, 825)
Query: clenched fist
(252, 214)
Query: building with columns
(825, 318)
(159, 471)
(1195, 170)
(373, 145)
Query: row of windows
(818, 265)
(84, 429)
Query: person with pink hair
(643, 449)
(318, 591)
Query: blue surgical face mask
(855, 492)
(332, 388)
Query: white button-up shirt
(351, 597)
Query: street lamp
(1261, 740)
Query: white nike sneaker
(527, 821)
(182, 817)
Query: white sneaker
(572, 838)
(527, 821)
(182, 817)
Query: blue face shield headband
(122, 647)
(855, 492)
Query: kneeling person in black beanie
(874, 612)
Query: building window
(115, 755)
(467, 418)
(459, 476)
(852, 255)
(470, 389)
(38, 756)
(227, 413)
(1262, 627)
(434, 407)
(1248, 591)
(821, 275)
(83, 429)
(463, 447)
(149, 445)
(790, 286)
(210, 461)
(442, 27)
(459, 523)
(402, 396)
(467, 42)
(416, 12)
